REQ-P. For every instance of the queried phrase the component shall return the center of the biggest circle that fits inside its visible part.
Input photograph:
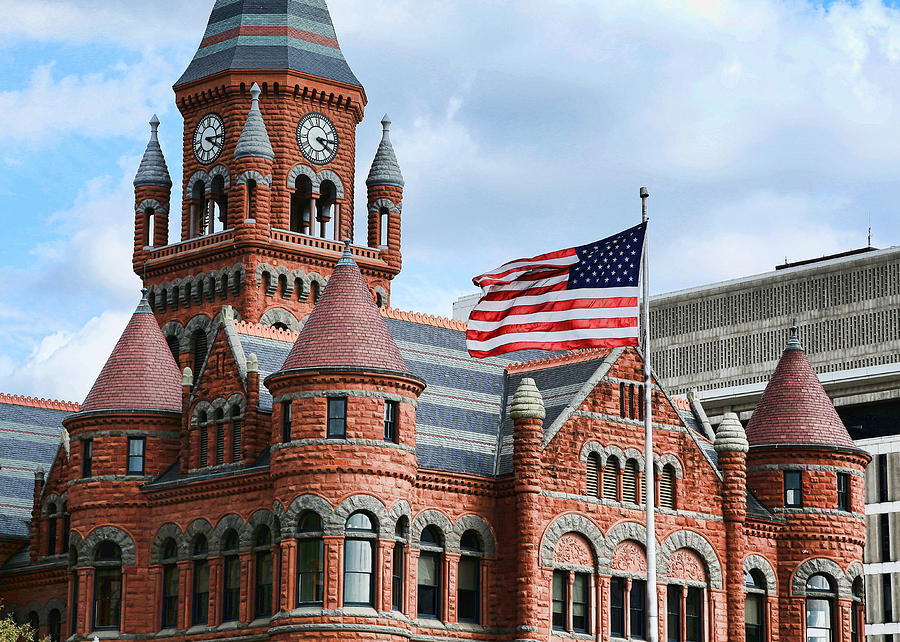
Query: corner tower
(270, 111)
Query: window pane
(358, 572)
(818, 613)
(108, 597)
(673, 609)
(427, 570)
(468, 573)
(580, 610)
(310, 559)
(751, 609)
(638, 607)
(617, 606)
(360, 522)
(337, 417)
(429, 585)
(560, 599)
(467, 590)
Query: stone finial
(226, 314)
(731, 436)
(347, 256)
(187, 377)
(39, 475)
(385, 168)
(153, 171)
(252, 363)
(254, 141)
(794, 341)
(527, 403)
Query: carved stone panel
(629, 557)
(573, 550)
(685, 565)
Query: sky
(766, 130)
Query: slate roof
(385, 169)
(153, 170)
(254, 141)
(141, 373)
(794, 408)
(293, 35)
(29, 439)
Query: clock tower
(270, 110)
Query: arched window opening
(280, 326)
(198, 210)
(468, 597)
(263, 557)
(611, 480)
(858, 613)
(267, 283)
(380, 300)
(218, 206)
(200, 346)
(315, 291)
(622, 400)
(359, 561)
(231, 587)
(667, 487)
(593, 475)
(34, 622)
(174, 347)
(251, 199)
(51, 529)
(170, 585)
(149, 224)
(236, 434)
(302, 206)
(200, 602)
(429, 576)
(310, 560)
(630, 486)
(107, 586)
(754, 606)
(631, 405)
(326, 210)
(398, 565)
(54, 625)
(220, 436)
(819, 609)
(202, 428)
(383, 220)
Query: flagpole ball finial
(645, 193)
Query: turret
(152, 193)
(385, 198)
(254, 158)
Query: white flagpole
(649, 482)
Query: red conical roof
(794, 408)
(346, 328)
(141, 373)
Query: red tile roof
(346, 328)
(141, 373)
(794, 408)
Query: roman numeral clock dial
(209, 139)
(317, 138)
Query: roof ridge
(423, 319)
(265, 331)
(34, 402)
(681, 402)
(576, 356)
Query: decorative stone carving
(629, 557)
(573, 551)
(685, 565)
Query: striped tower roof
(295, 35)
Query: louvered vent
(611, 480)
(236, 442)
(220, 444)
(593, 475)
(201, 345)
(629, 482)
(667, 488)
(204, 446)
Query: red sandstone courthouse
(271, 452)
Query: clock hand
(212, 138)
(324, 141)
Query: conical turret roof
(385, 168)
(141, 373)
(254, 140)
(295, 35)
(794, 408)
(153, 170)
(346, 328)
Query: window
(667, 487)
(622, 400)
(693, 615)
(310, 560)
(236, 434)
(630, 482)
(398, 564)
(843, 491)
(220, 436)
(887, 598)
(65, 525)
(107, 586)
(51, 530)
(638, 605)
(170, 585)
(617, 607)
(200, 603)
(468, 579)
(136, 447)
(204, 440)
(883, 478)
(429, 576)
(54, 625)
(793, 494)
(673, 613)
(231, 587)
(200, 344)
(390, 422)
(884, 528)
(359, 561)
(87, 457)
(263, 557)
(337, 418)
(754, 606)
(858, 613)
(581, 610)
(560, 600)
(287, 418)
(631, 404)
(33, 621)
(251, 199)
(301, 205)
(593, 475)
(611, 479)
(819, 609)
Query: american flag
(581, 297)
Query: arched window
(315, 292)
(622, 400)
(220, 436)
(429, 576)
(51, 529)
(263, 557)
(755, 606)
(630, 488)
(170, 585)
(593, 475)
(200, 346)
(198, 210)
(34, 623)
(398, 566)
(54, 625)
(301, 205)
(174, 347)
(667, 487)
(611, 479)
(236, 434)
(383, 218)
(200, 606)
(468, 578)
(325, 206)
(149, 220)
(107, 586)
(819, 609)
(250, 211)
(203, 419)
(628, 597)
(359, 561)
(858, 614)
(310, 560)
(231, 586)
(65, 524)
(218, 206)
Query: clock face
(317, 138)
(209, 139)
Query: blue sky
(765, 130)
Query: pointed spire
(347, 256)
(254, 141)
(385, 168)
(153, 171)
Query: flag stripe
(554, 300)
(558, 327)
(560, 316)
(579, 344)
(561, 257)
(551, 336)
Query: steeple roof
(346, 328)
(385, 168)
(254, 140)
(153, 170)
(794, 408)
(270, 35)
(140, 374)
